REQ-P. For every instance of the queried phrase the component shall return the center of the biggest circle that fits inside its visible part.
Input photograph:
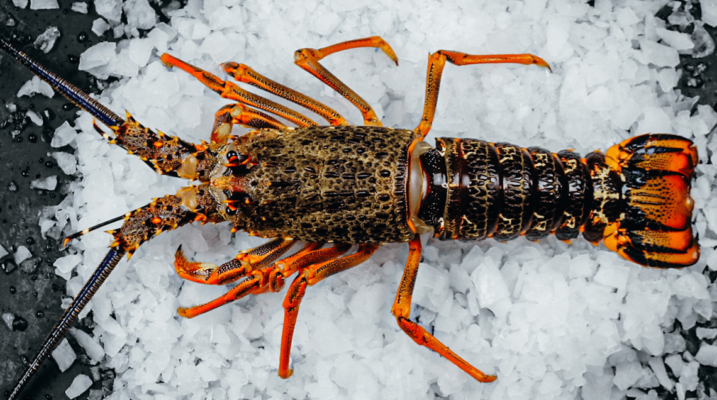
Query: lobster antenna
(92, 228)
(70, 91)
(69, 316)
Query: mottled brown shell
(345, 184)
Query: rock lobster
(370, 185)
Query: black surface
(35, 295)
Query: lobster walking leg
(243, 264)
(243, 73)
(309, 277)
(437, 61)
(231, 114)
(260, 280)
(308, 59)
(229, 90)
(402, 311)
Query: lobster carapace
(370, 185)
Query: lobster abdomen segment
(636, 197)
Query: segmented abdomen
(503, 190)
(478, 190)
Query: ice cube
(48, 183)
(707, 355)
(36, 85)
(64, 355)
(79, 7)
(22, 254)
(93, 349)
(79, 385)
(46, 40)
(44, 4)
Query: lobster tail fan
(655, 227)
(71, 92)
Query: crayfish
(369, 185)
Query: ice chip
(613, 276)
(3, 252)
(66, 161)
(139, 14)
(64, 135)
(46, 40)
(100, 26)
(20, 3)
(626, 374)
(691, 285)
(658, 367)
(489, 284)
(44, 5)
(97, 58)
(8, 318)
(139, 51)
(79, 7)
(64, 355)
(110, 9)
(707, 355)
(48, 183)
(92, 348)
(676, 40)
(79, 385)
(709, 12)
(36, 85)
(22, 254)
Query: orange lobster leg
(231, 114)
(260, 280)
(309, 277)
(244, 74)
(402, 311)
(308, 59)
(231, 91)
(437, 61)
(243, 264)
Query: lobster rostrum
(371, 185)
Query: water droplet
(40, 314)
(25, 173)
(73, 59)
(30, 241)
(49, 164)
(32, 138)
(12, 186)
(13, 290)
(18, 139)
(68, 106)
(19, 324)
(81, 37)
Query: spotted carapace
(341, 185)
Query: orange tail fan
(654, 228)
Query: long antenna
(70, 91)
(69, 316)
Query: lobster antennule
(655, 227)
(70, 91)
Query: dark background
(32, 292)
